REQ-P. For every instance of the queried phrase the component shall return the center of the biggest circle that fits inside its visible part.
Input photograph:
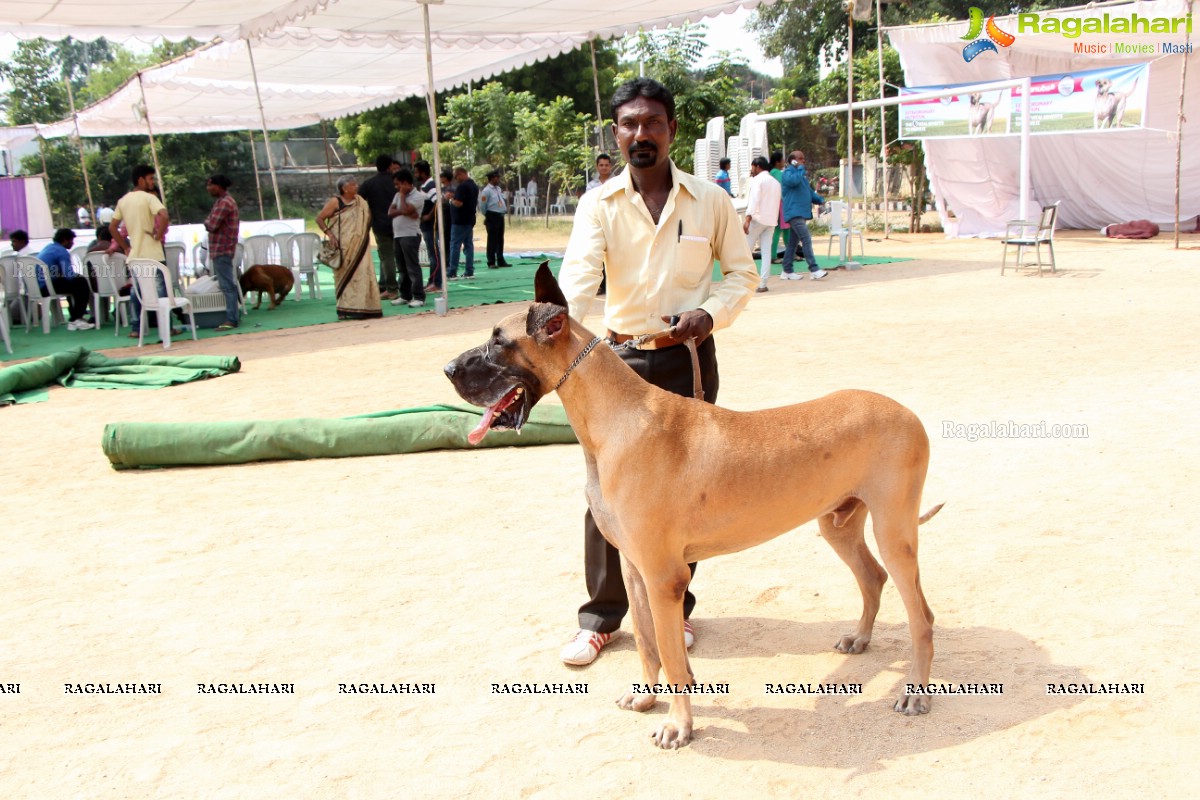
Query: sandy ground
(1055, 561)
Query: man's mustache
(648, 147)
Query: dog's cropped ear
(548, 318)
(548, 314)
(545, 287)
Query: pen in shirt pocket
(679, 238)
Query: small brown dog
(274, 280)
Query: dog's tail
(928, 515)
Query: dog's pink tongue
(485, 424)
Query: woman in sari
(346, 220)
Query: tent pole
(87, 184)
(1026, 88)
(162, 190)
(45, 171)
(431, 103)
(266, 137)
(883, 140)
(262, 214)
(328, 162)
(596, 90)
(848, 190)
(1179, 126)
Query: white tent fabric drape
(304, 76)
(1100, 177)
(232, 19)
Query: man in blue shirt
(57, 256)
(722, 178)
(798, 200)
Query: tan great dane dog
(672, 480)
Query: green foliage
(38, 93)
(392, 129)
(404, 126)
(484, 123)
(570, 75)
(554, 141)
(670, 57)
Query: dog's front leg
(666, 607)
(643, 634)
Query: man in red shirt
(222, 226)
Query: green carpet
(80, 368)
(490, 286)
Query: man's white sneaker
(689, 635)
(414, 303)
(80, 325)
(816, 276)
(791, 276)
(583, 649)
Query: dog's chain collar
(637, 341)
(579, 358)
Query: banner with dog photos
(1112, 98)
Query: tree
(554, 141)
(484, 122)
(806, 34)
(395, 128)
(670, 57)
(38, 93)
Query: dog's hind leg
(843, 529)
(643, 634)
(896, 535)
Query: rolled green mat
(82, 369)
(411, 430)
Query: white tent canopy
(1101, 177)
(233, 19)
(304, 76)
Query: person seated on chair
(57, 256)
(19, 240)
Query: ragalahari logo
(994, 37)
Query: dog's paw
(852, 644)
(672, 734)
(637, 702)
(912, 705)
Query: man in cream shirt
(655, 231)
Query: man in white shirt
(655, 230)
(603, 172)
(405, 213)
(491, 203)
(762, 214)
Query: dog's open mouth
(507, 412)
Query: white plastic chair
(239, 266)
(259, 249)
(78, 259)
(111, 275)
(35, 303)
(287, 257)
(10, 277)
(4, 321)
(838, 229)
(176, 255)
(200, 258)
(144, 272)
(305, 265)
(560, 205)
